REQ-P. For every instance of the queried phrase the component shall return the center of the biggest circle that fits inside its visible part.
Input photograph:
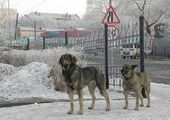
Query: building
(49, 20)
(34, 24)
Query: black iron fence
(123, 47)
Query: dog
(76, 78)
(133, 81)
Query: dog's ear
(61, 59)
(73, 59)
(121, 71)
(123, 67)
(134, 66)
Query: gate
(125, 48)
(109, 49)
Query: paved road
(159, 70)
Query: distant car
(132, 51)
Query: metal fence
(161, 47)
(92, 43)
(93, 46)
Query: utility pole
(9, 22)
(35, 30)
(16, 27)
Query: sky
(50, 6)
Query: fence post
(142, 44)
(106, 55)
(28, 44)
(66, 39)
(43, 42)
(142, 69)
(164, 52)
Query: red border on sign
(111, 23)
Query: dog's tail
(143, 92)
(100, 81)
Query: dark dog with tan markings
(76, 78)
(133, 81)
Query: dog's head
(66, 61)
(128, 71)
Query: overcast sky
(50, 6)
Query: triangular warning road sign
(111, 18)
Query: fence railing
(92, 43)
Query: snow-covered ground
(29, 84)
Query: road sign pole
(142, 44)
(110, 2)
(106, 55)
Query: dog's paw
(90, 108)
(80, 113)
(148, 106)
(141, 105)
(70, 112)
(125, 107)
(107, 109)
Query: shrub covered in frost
(48, 56)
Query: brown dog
(76, 78)
(133, 81)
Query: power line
(38, 4)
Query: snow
(6, 70)
(27, 81)
(30, 82)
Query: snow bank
(28, 81)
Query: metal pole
(16, 26)
(66, 39)
(35, 30)
(28, 44)
(110, 2)
(9, 20)
(142, 69)
(106, 55)
(43, 42)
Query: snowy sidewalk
(160, 109)
(29, 84)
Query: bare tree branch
(140, 9)
(143, 7)
(157, 19)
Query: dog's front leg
(71, 98)
(80, 95)
(126, 92)
(137, 99)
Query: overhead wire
(38, 4)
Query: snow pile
(28, 81)
(6, 70)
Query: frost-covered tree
(129, 11)
(6, 27)
(97, 8)
(154, 11)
